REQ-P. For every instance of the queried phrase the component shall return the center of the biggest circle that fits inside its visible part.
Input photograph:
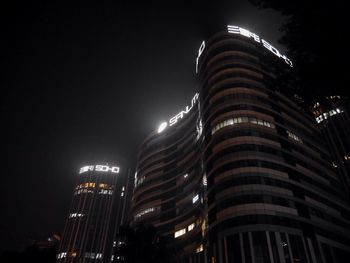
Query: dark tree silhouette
(315, 34)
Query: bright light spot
(195, 199)
(162, 126)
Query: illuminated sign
(99, 168)
(200, 51)
(247, 33)
(173, 120)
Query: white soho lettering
(99, 168)
(247, 33)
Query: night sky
(84, 79)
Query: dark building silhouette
(243, 174)
(98, 208)
(332, 116)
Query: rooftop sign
(178, 116)
(244, 32)
(99, 168)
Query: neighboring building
(243, 173)
(169, 188)
(332, 115)
(97, 209)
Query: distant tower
(97, 210)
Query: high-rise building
(98, 208)
(333, 118)
(169, 182)
(243, 174)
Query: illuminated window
(139, 181)
(86, 191)
(205, 181)
(146, 211)
(190, 227)
(86, 185)
(195, 198)
(294, 137)
(238, 120)
(180, 233)
(199, 248)
(105, 192)
(347, 157)
(62, 255)
(185, 175)
(93, 255)
(73, 215)
(105, 186)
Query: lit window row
(93, 255)
(105, 186)
(239, 120)
(347, 157)
(84, 191)
(326, 115)
(294, 137)
(105, 192)
(73, 215)
(62, 255)
(66, 254)
(86, 185)
(144, 212)
(183, 231)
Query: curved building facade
(245, 176)
(97, 207)
(273, 195)
(169, 187)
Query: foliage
(315, 35)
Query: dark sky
(84, 79)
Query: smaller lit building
(98, 208)
(332, 115)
